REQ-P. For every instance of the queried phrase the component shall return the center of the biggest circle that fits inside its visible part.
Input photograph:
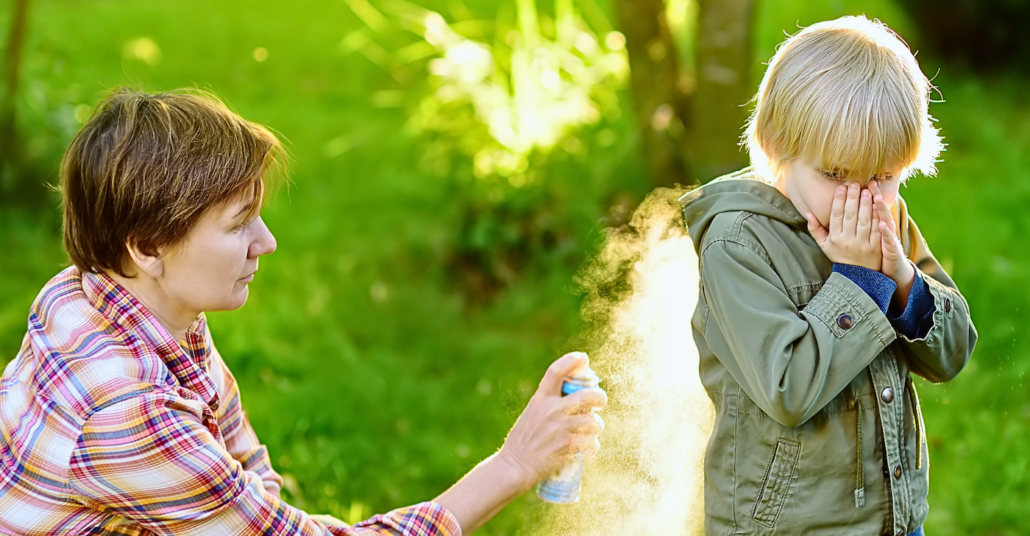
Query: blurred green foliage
(987, 36)
(368, 360)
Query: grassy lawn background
(372, 378)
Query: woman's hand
(549, 431)
(553, 428)
(854, 233)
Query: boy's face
(811, 189)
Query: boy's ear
(148, 261)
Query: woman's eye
(240, 227)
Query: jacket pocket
(778, 478)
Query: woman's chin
(235, 300)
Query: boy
(819, 296)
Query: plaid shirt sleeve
(156, 459)
(240, 439)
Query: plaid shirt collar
(187, 362)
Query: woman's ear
(148, 262)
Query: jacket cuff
(915, 321)
(847, 310)
(878, 286)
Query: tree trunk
(658, 101)
(9, 153)
(724, 61)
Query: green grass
(370, 404)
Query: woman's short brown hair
(146, 167)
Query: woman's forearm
(484, 491)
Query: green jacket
(817, 422)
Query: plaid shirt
(108, 426)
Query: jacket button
(947, 305)
(887, 395)
(897, 472)
(845, 322)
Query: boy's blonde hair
(845, 96)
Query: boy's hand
(895, 264)
(854, 233)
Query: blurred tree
(724, 57)
(661, 93)
(689, 113)
(9, 150)
(985, 35)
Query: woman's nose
(263, 242)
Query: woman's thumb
(565, 366)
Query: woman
(119, 416)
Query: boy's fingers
(865, 214)
(874, 230)
(881, 205)
(890, 240)
(837, 210)
(816, 229)
(851, 210)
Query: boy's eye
(883, 177)
(833, 174)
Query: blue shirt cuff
(916, 320)
(878, 286)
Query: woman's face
(213, 266)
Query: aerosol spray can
(563, 486)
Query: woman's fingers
(585, 400)
(837, 210)
(587, 423)
(591, 448)
(582, 437)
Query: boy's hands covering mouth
(895, 264)
(854, 236)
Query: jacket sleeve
(944, 351)
(791, 362)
